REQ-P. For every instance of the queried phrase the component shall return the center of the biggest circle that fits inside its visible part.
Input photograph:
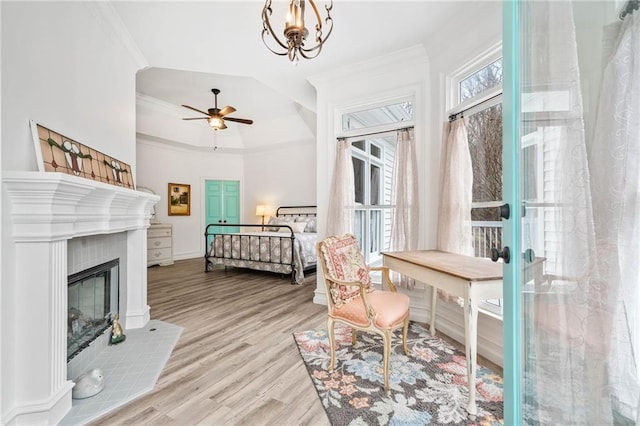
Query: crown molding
(106, 13)
(159, 105)
(151, 140)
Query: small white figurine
(88, 384)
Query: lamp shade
(261, 210)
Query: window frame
(471, 106)
(369, 160)
(379, 132)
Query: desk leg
(471, 347)
(434, 299)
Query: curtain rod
(629, 8)
(460, 114)
(376, 133)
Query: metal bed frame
(302, 211)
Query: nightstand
(159, 244)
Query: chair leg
(332, 344)
(405, 329)
(386, 337)
(354, 336)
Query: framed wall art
(56, 152)
(179, 199)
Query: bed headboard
(288, 211)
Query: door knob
(504, 254)
(220, 221)
(504, 211)
(529, 255)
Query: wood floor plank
(236, 361)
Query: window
(373, 170)
(373, 157)
(478, 91)
(377, 116)
(480, 81)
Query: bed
(284, 245)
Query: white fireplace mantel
(56, 206)
(46, 210)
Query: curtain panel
(614, 163)
(454, 212)
(405, 198)
(340, 214)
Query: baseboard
(188, 255)
(137, 319)
(49, 412)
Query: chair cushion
(391, 309)
(344, 261)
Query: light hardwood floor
(236, 361)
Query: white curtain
(456, 193)
(574, 320)
(340, 214)
(404, 226)
(454, 213)
(615, 172)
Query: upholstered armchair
(353, 300)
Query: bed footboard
(268, 252)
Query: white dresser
(159, 245)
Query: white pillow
(310, 222)
(312, 225)
(297, 227)
(273, 221)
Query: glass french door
(568, 125)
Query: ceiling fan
(216, 116)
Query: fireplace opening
(92, 302)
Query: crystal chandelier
(295, 32)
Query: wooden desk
(471, 278)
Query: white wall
(64, 66)
(160, 164)
(282, 176)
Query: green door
(571, 323)
(512, 322)
(222, 204)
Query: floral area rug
(428, 387)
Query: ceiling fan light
(215, 122)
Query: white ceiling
(194, 46)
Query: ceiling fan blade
(196, 118)
(227, 110)
(197, 110)
(239, 120)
